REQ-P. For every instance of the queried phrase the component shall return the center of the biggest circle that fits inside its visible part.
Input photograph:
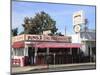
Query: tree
(42, 21)
(59, 34)
(14, 32)
(21, 33)
(86, 21)
(85, 26)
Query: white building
(88, 41)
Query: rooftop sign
(48, 38)
(78, 18)
(29, 37)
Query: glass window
(18, 51)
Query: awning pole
(90, 52)
(47, 51)
(71, 54)
(26, 50)
(47, 55)
(54, 59)
(79, 54)
(35, 55)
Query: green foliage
(42, 21)
(59, 34)
(21, 33)
(14, 32)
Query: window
(18, 52)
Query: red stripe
(56, 45)
(15, 61)
(18, 45)
(48, 45)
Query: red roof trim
(47, 45)
(18, 45)
(56, 45)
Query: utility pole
(65, 30)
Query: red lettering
(49, 38)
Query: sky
(61, 13)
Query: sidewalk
(29, 68)
(69, 65)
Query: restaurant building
(44, 49)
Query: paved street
(53, 68)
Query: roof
(88, 35)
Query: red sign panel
(48, 38)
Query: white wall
(75, 38)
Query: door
(31, 55)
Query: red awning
(18, 45)
(47, 45)
(56, 45)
